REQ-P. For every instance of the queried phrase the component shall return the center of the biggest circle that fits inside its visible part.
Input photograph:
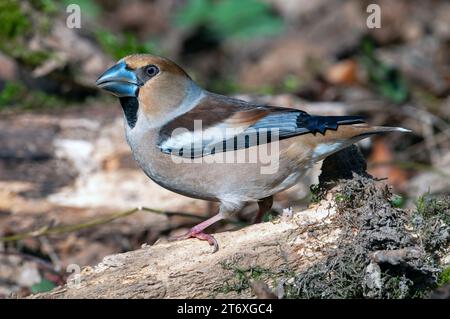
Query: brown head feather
(165, 91)
(137, 61)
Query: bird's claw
(199, 235)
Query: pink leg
(264, 205)
(197, 232)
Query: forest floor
(67, 178)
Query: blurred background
(63, 156)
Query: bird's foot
(194, 233)
(258, 218)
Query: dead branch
(50, 229)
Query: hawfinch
(218, 148)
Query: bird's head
(158, 84)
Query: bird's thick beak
(119, 81)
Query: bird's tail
(345, 135)
(373, 130)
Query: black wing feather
(280, 123)
(294, 122)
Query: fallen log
(188, 269)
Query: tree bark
(188, 269)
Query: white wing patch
(199, 139)
(324, 149)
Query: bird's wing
(220, 124)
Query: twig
(49, 230)
(439, 138)
(413, 166)
(427, 120)
(56, 261)
(419, 114)
(39, 261)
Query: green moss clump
(118, 47)
(14, 21)
(386, 79)
(11, 93)
(46, 6)
(19, 23)
(240, 280)
(434, 207)
(223, 84)
(444, 277)
(230, 18)
(398, 201)
(15, 94)
(339, 198)
(432, 221)
(316, 193)
(30, 58)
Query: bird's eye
(151, 70)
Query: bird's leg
(197, 231)
(264, 205)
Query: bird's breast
(160, 167)
(213, 179)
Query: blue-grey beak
(119, 81)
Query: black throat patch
(130, 107)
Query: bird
(218, 148)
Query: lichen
(370, 221)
